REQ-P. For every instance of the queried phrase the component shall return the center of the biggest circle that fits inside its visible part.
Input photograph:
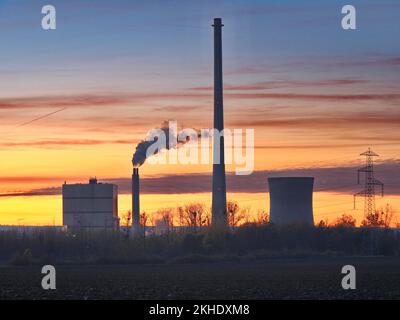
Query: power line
(333, 205)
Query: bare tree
(181, 216)
(235, 214)
(346, 220)
(195, 215)
(126, 222)
(262, 217)
(126, 218)
(382, 218)
(388, 214)
(372, 220)
(245, 215)
(165, 217)
(143, 223)
(144, 219)
(323, 224)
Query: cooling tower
(291, 200)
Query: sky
(75, 101)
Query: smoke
(170, 139)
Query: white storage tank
(291, 200)
(93, 205)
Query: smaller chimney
(135, 200)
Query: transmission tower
(370, 182)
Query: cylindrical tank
(291, 200)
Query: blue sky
(99, 45)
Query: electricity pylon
(370, 182)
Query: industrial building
(291, 200)
(93, 205)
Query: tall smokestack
(135, 200)
(219, 185)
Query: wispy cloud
(312, 63)
(60, 143)
(330, 179)
(178, 109)
(63, 101)
(316, 97)
(319, 121)
(267, 85)
(81, 101)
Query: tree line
(196, 214)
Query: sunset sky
(75, 101)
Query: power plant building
(291, 200)
(92, 205)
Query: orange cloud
(266, 85)
(90, 100)
(318, 122)
(81, 101)
(316, 97)
(72, 142)
(334, 179)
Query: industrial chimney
(219, 185)
(135, 200)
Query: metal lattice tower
(370, 182)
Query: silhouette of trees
(323, 224)
(346, 220)
(236, 216)
(262, 217)
(388, 214)
(251, 241)
(181, 216)
(126, 219)
(381, 218)
(164, 217)
(196, 215)
(372, 220)
(144, 218)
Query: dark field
(305, 278)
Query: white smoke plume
(171, 142)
